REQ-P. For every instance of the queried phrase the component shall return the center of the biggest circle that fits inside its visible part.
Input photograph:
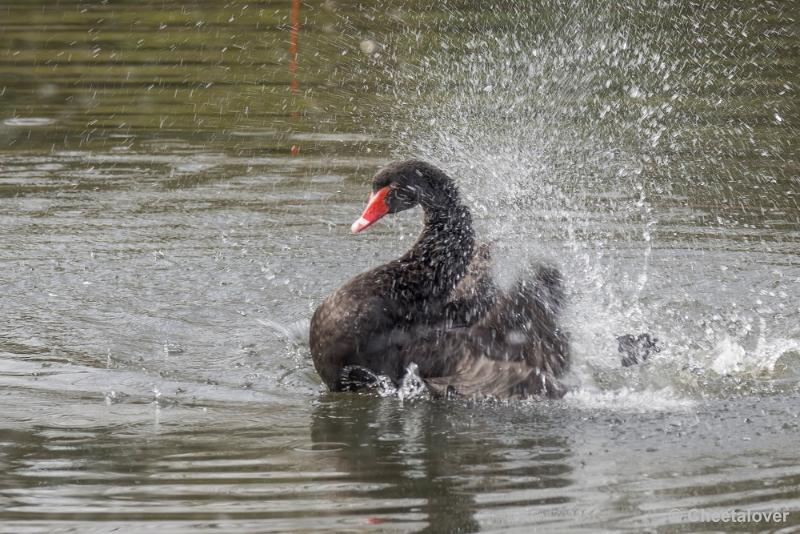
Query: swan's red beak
(376, 208)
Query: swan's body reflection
(440, 456)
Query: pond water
(177, 183)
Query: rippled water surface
(177, 182)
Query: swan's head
(402, 185)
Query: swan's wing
(476, 292)
(524, 322)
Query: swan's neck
(440, 257)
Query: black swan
(436, 306)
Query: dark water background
(175, 199)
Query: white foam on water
(412, 386)
(729, 357)
(628, 400)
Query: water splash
(412, 385)
(611, 152)
(628, 400)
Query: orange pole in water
(294, 29)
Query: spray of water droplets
(601, 139)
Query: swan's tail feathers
(483, 377)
